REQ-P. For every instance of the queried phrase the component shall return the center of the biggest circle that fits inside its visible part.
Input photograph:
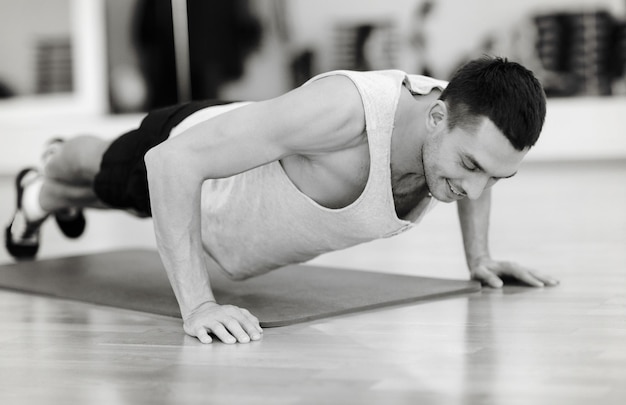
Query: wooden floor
(564, 345)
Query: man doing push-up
(248, 187)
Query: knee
(75, 161)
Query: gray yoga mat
(136, 280)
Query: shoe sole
(19, 252)
(71, 228)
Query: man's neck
(410, 132)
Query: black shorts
(122, 181)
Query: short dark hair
(505, 92)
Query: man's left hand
(491, 272)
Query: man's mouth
(454, 190)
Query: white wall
(582, 128)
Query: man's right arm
(175, 200)
(307, 120)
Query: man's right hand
(229, 323)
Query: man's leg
(63, 188)
(68, 174)
(85, 172)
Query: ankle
(31, 207)
(68, 213)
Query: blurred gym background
(78, 59)
(78, 64)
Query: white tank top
(258, 220)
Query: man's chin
(443, 195)
(442, 198)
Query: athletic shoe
(71, 221)
(21, 237)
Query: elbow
(158, 159)
(151, 158)
(165, 164)
(161, 166)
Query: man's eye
(468, 167)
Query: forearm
(474, 218)
(474, 221)
(175, 195)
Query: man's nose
(475, 185)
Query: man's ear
(437, 114)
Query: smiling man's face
(461, 163)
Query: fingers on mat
(220, 331)
(203, 335)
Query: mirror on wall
(36, 48)
(52, 57)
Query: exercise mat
(136, 280)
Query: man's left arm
(474, 219)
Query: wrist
(475, 260)
(186, 314)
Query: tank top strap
(379, 91)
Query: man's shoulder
(419, 84)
